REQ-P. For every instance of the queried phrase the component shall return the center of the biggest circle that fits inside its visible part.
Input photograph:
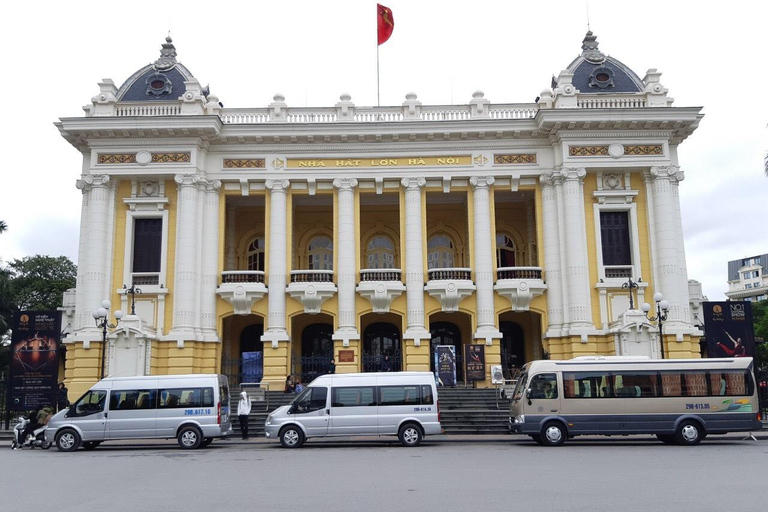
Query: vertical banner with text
(445, 364)
(475, 362)
(728, 328)
(34, 359)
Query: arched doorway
(447, 333)
(316, 351)
(251, 354)
(512, 348)
(381, 348)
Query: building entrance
(447, 333)
(381, 348)
(316, 351)
(512, 348)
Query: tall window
(614, 234)
(381, 253)
(147, 244)
(256, 254)
(505, 251)
(321, 253)
(440, 252)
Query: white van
(360, 404)
(194, 409)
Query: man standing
(243, 410)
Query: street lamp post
(631, 284)
(662, 310)
(132, 291)
(101, 316)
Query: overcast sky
(312, 51)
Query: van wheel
(291, 437)
(67, 440)
(689, 433)
(553, 434)
(206, 442)
(90, 445)
(666, 438)
(189, 438)
(410, 435)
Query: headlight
(520, 419)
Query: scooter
(35, 439)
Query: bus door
(543, 394)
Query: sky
(56, 52)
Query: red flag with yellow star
(386, 23)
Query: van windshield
(522, 382)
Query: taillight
(218, 413)
(759, 416)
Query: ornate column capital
(481, 181)
(669, 172)
(90, 181)
(571, 173)
(547, 179)
(210, 185)
(413, 183)
(187, 180)
(277, 185)
(345, 183)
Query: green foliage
(760, 321)
(33, 283)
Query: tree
(3, 226)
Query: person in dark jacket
(62, 398)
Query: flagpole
(378, 90)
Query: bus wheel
(537, 438)
(666, 438)
(189, 438)
(553, 434)
(410, 435)
(291, 437)
(689, 432)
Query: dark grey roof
(162, 80)
(735, 265)
(596, 73)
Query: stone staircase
(463, 411)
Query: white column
(414, 261)
(276, 273)
(669, 268)
(483, 259)
(551, 241)
(346, 250)
(210, 259)
(186, 277)
(576, 264)
(95, 243)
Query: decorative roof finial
(589, 49)
(167, 58)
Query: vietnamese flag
(386, 23)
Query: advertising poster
(445, 364)
(475, 362)
(34, 359)
(728, 328)
(253, 366)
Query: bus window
(636, 384)
(671, 384)
(695, 384)
(733, 383)
(544, 385)
(587, 385)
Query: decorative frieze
(130, 158)
(611, 150)
(515, 159)
(244, 163)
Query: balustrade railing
(380, 274)
(615, 102)
(242, 276)
(617, 272)
(160, 109)
(311, 276)
(441, 274)
(145, 278)
(518, 273)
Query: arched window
(380, 252)
(505, 251)
(255, 255)
(440, 252)
(321, 253)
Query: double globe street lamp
(662, 310)
(101, 316)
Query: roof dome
(594, 72)
(161, 81)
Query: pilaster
(276, 273)
(346, 242)
(414, 261)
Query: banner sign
(253, 366)
(445, 364)
(475, 362)
(34, 368)
(728, 328)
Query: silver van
(360, 404)
(194, 409)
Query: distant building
(747, 279)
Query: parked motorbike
(34, 440)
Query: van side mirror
(528, 395)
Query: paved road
(470, 474)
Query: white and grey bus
(679, 400)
